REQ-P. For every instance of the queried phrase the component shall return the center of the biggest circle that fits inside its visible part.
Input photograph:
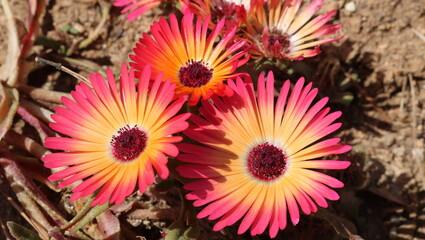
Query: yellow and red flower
(117, 137)
(189, 56)
(233, 11)
(278, 30)
(255, 157)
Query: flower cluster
(250, 156)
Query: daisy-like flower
(256, 156)
(234, 11)
(190, 57)
(118, 137)
(280, 30)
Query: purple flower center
(195, 74)
(267, 162)
(128, 143)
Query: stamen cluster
(266, 162)
(128, 143)
(195, 74)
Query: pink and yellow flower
(277, 31)
(138, 7)
(256, 156)
(189, 56)
(117, 137)
(233, 11)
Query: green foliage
(20, 232)
(178, 230)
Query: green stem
(82, 236)
(185, 205)
(83, 212)
(92, 214)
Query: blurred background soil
(382, 57)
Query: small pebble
(78, 27)
(350, 7)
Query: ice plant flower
(138, 7)
(117, 137)
(189, 56)
(233, 11)
(255, 157)
(280, 30)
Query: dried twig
(86, 65)
(59, 66)
(95, 34)
(419, 34)
(403, 92)
(419, 165)
(5, 231)
(414, 107)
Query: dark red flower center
(128, 143)
(224, 10)
(276, 38)
(195, 74)
(267, 162)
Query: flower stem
(83, 212)
(92, 214)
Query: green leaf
(21, 233)
(347, 98)
(48, 42)
(178, 230)
(73, 31)
(65, 28)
